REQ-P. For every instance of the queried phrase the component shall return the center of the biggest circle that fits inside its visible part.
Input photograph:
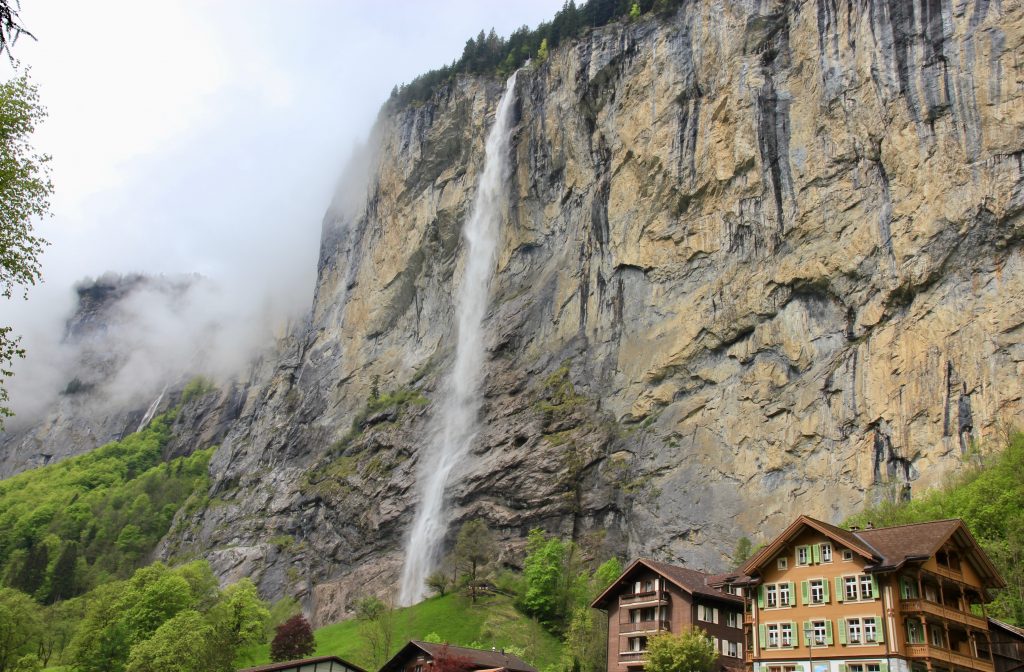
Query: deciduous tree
(691, 651)
(294, 639)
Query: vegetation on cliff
(490, 54)
(68, 527)
(989, 496)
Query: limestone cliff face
(760, 258)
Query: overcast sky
(206, 135)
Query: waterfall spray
(456, 424)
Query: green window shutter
(874, 587)
(792, 594)
(904, 589)
(841, 624)
(816, 553)
(824, 590)
(880, 631)
(842, 667)
(807, 626)
(804, 593)
(840, 592)
(883, 667)
(760, 597)
(828, 632)
(762, 632)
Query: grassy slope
(492, 621)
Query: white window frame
(733, 649)
(817, 592)
(774, 635)
(786, 634)
(866, 592)
(820, 633)
(826, 550)
(805, 551)
(771, 596)
(782, 563)
(854, 633)
(784, 592)
(847, 555)
(870, 630)
(848, 583)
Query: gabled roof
(692, 581)
(903, 543)
(290, 664)
(479, 659)
(1012, 630)
(844, 537)
(889, 548)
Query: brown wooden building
(1007, 646)
(898, 599)
(654, 597)
(417, 656)
(319, 664)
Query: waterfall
(456, 423)
(151, 411)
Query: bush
(294, 639)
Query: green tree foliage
(989, 497)
(294, 639)
(474, 548)
(377, 627)
(20, 627)
(24, 195)
(164, 619)
(68, 526)
(557, 582)
(742, 552)
(438, 582)
(691, 651)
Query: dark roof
(1013, 630)
(889, 548)
(479, 659)
(289, 664)
(692, 581)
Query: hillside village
(816, 598)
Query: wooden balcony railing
(652, 597)
(951, 657)
(632, 656)
(748, 618)
(949, 613)
(643, 626)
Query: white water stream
(455, 426)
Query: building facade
(417, 656)
(650, 598)
(898, 599)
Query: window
(637, 644)
(733, 649)
(773, 635)
(826, 552)
(847, 555)
(786, 634)
(771, 596)
(855, 667)
(851, 587)
(782, 563)
(648, 614)
(817, 591)
(733, 619)
(706, 613)
(784, 595)
(853, 631)
(874, 667)
(866, 587)
(915, 632)
(870, 630)
(803, 555)
(820, 632)
(908, 588)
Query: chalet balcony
(937, 654)
(647, 597)
(644, 626)
(632, 657)
(942, 611)
(748, 618)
